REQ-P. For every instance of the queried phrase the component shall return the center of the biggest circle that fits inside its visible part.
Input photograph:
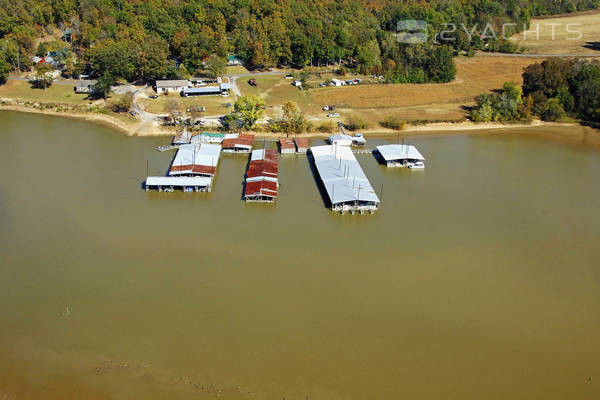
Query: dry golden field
(561, 41)
(426, 101)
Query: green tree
(215, 65)
(4, 69)
(43, 76)
(247, 110)
(102, 88)
(554, 111)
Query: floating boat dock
(182, 137)
(185, 183)
(261, 178)
(240, 144)
(301, 145)
(196, 160)
(212, 137)
(192, 170)
(344, 181)
(287, 146)
(399, 155)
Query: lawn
(214, 104)
(562, 41)
(276, 90)
(57, 93)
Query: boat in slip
(416, 165)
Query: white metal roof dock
(399, 154)
(196, 159)
(187, 183)
(344, 180)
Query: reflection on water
(477, 278)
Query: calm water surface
(478, 279)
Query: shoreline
(584, 135)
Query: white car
(333, 115)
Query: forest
(142, 40)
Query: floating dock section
(344, 181)
(261, 178)
(240, 144)
(212, 137)
(192, 170)
(287, 146)
(182, 137)
(399, 155)
(301, 145)
(196, 160)
(185, 183)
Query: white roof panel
(342, 175)
(206, 154)
(391, 152)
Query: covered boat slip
(194, 159)
(399, 155)
(261, 178)
(344, 181)
(185, 183)
(240, 144)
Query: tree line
(552, 90)
(150, 39)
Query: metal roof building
(286, 146)
(193, 159)
(302, 145)
(344, 181)
(261, 177)
(240, 144)
(399, 154)
(186, 183)
(212, 137)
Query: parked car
(333, 115)
(329, 108)
(154, 96)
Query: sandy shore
(577, 134)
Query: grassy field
(412, 102)
(22, 90)
(214, 104)
(563, 42)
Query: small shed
(286, 146)
(302, 145)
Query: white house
(168, 86)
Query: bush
(393, 123)
(325, 127)
(355, 123)
(123, 104)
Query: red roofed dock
(240, 144)
(261, 178)
(286, 146)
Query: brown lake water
(479, 278)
